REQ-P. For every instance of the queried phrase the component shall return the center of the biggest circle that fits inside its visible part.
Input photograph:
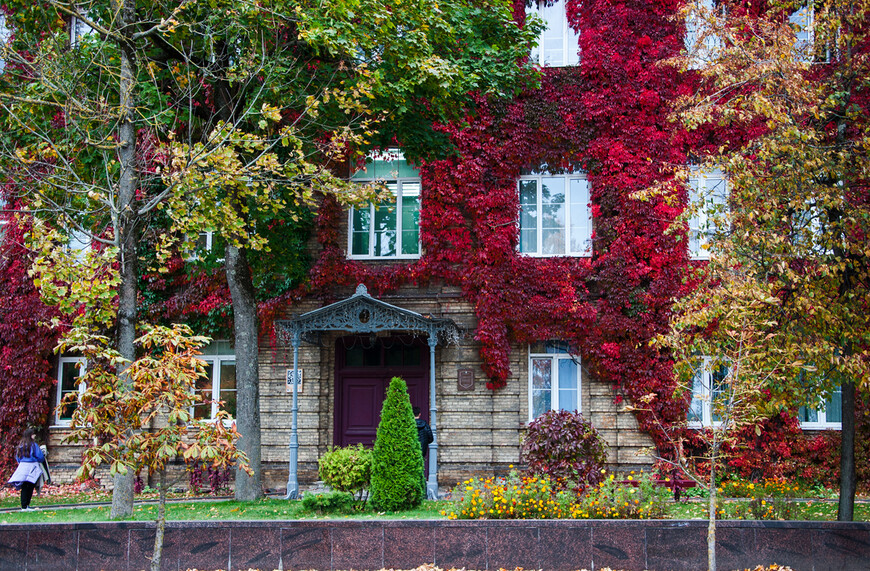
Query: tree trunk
(711, 508)
(122, 495)
(846, 509)
(246, 330)
(157, 555)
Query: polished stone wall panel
(327, 545)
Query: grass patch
(266, 509)
(812, 510)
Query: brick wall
(479, 431)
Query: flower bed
(535, 497)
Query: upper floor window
(218, 386)
(702, 43)
(559, 44)
(708, 195)
(391, 228)
(554, 379)
(4, 39)
(709, 390)
(823, 414)
(802, 23)
(69, 371)
(555, 218)
(78, 29)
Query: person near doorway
(424, 433)
(28, 473)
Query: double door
(364, 367)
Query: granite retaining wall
(327, 545)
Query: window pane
(834, 407)
(203, 387)
(360, 233)
(558, 44)
(581, 219)
(553, 215)
(385, 225)
(393, 356)
(541, 386)
(69, 375)
(411, 218)
(696, 408)
(807, 414)
(568, 385)
(528, 216)
(718, 390)
(802, 23)
(555, 348)
(228, 387)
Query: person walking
(424, 433)
(29, 471)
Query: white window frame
(569, 223)
(802, 22)
(59, 393)
(702, 392)
(197, 251)
(822, 422)
(4, 39)
(707, 206)
(570, 50)
(703, 54)
(215, 361)
(78, 29)
(404, 188)
(555, 352)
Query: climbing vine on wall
(606, 117)
(26, 345)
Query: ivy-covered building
(521, 273)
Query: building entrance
(364, 366)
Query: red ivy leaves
(26, 347)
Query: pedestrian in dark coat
(424, 433)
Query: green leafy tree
(397, 460)
(798, 213)
(239, 113)
(140, 428)
(321, 85)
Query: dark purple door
(364, 368)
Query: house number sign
(291, 377)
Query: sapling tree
(717, 339)
(145, 421)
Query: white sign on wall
(291, 378)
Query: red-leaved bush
(566, 447)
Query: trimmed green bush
(330, 502)
(397, 462)
(347, 469)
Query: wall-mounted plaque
(291, 378)
(465, 379)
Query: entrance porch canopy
(361, 313)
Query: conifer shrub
(565, 447)
(397, 462)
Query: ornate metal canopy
(361, 313)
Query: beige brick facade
(479, 431)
